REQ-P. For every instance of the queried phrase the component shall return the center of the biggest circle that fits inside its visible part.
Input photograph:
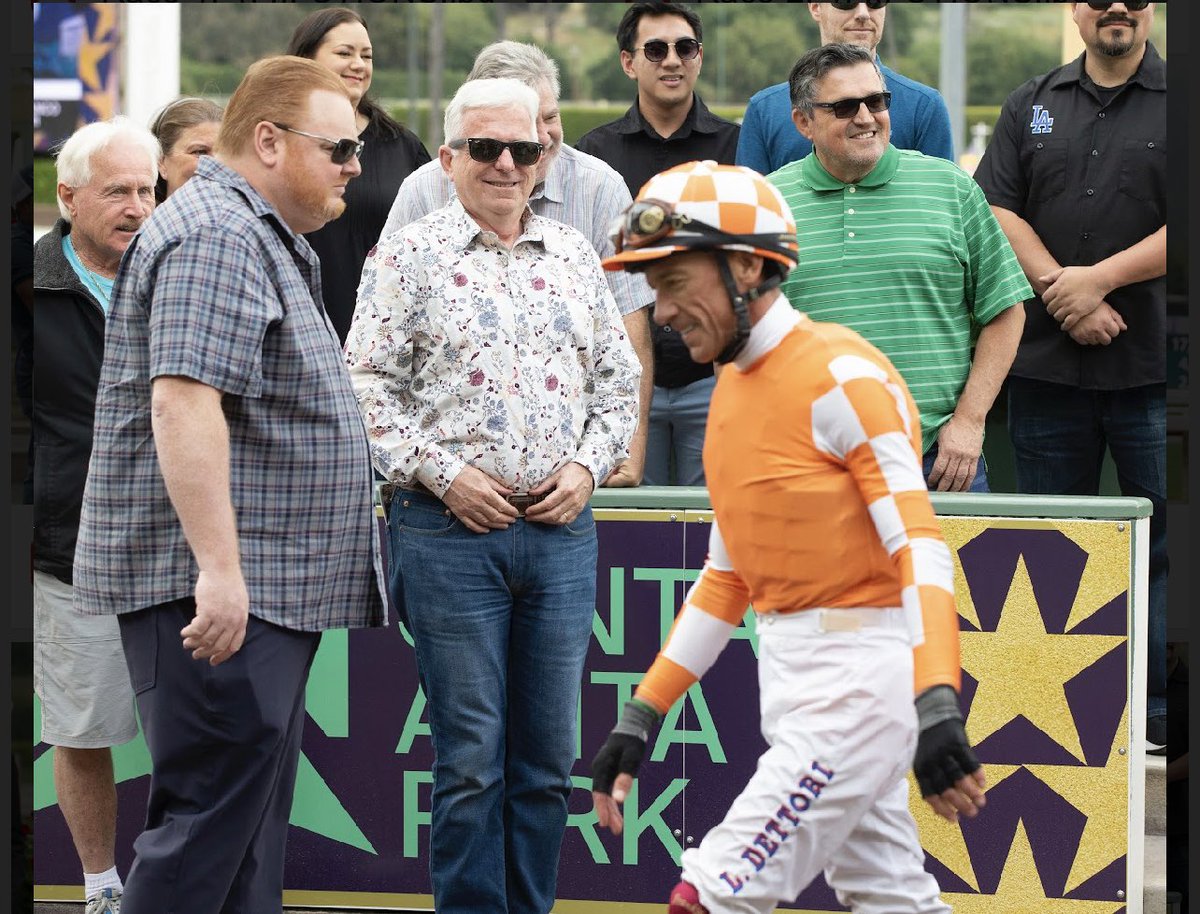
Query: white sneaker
(107, 902)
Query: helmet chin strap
(741, 311)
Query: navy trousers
(224, 742)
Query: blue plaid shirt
(216, 288)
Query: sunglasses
(485, 149)
(341, 153)
(846, 5)
(848, 107)
(656, 50)
(1133, 6)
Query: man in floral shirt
(498, 387)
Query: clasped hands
(1074, 296)
(478, 499)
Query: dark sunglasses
(656, 50)
(848, 107)
(1133, 6)
(485, 149)
(341, 153)
(847, 5)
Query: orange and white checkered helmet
(705, 206)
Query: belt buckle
(521, 501)
(832, 620)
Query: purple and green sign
(1046, 636)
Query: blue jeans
(501, 623)
(1059, 435)
(678, 416)
(978, 484)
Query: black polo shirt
(1086, 167)
(635, 150)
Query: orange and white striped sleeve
(869, 421)
(712, 609)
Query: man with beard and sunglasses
(902, 248)
(1076, 173)
(769, 140)
(811, 430)
(499, 388)
(662, 50)
(227, 518)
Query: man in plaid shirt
(227, 518)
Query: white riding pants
(830, 794)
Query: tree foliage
(759, 50)
(746, 45)
(998, 64)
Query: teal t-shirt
(100, 287)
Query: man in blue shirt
(769, 139)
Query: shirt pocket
(1143, 170)
(1048, 169)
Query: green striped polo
(911, 258)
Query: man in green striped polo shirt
(902, 248)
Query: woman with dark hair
(337, 39)
(186, 129)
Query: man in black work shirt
(1076, 175)
(661, 50)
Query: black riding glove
(623, 750)
(943, 753)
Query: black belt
(519, 500)
(522, 500)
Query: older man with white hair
(498, 388)
(106, 173)
(571, 186)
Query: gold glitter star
(944, 840)
(101, 103)
(106, 19)
(90, 55)
(1021, 891)
(1101, 794)
(1106, 574)
(1021, 669)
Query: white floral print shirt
(463, 353)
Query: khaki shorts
(79, 672)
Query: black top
(68, 346)
(633, 148)
(342, 245)
(1087, 169)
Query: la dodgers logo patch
(1042, 121)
